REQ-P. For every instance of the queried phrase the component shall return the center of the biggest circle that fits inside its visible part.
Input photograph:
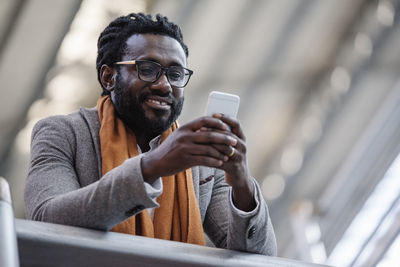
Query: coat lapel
(92, 120)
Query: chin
(158, 114)
(160, 125)
(153, 122)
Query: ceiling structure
(318, 82)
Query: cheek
(130, 84)
(131, 89)
(129, 81)
(178, 93)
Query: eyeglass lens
(150, 72)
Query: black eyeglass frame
(162, 69)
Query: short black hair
(112, 41)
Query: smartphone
(219, 102)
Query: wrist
(243, 196)
(246, 188)
(149, 169)
(241, 181)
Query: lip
(158, 102)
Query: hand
(188, 146)
(236, 169)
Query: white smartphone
(219, 102)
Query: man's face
(148, 108)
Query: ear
(107, 77)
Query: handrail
(46, 244)
(8, 240)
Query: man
(125, 166)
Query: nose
(162, 84)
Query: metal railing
(46, 244)
(8, 240)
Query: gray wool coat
(65, 186)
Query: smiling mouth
(158, 104)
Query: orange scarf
(178, 217)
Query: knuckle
(180, 140)
(209, 136)
(201, 119)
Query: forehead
(160, 48)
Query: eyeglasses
(149, 71)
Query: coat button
(251, 232)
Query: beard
(130, 110)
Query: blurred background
(320, 103)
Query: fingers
(233, 123)
(208, 151)
(208, 141)
(221, 143)
(206, 122)
(224, 146)
(214, 137)
(208, 161)
(233, 150)
(236, 152)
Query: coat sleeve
(230, 228)
(55, 193)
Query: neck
(144, 142)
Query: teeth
(157, 102)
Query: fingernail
(233, 141)
(226, 158)
(217, 115)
